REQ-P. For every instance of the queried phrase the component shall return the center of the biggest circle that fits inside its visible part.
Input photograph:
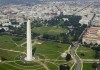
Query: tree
(82, 54)
(47, 36)
(96, 44)
(3, 59)
(86, 45)
(2, 30)
(94, 65)
(34, 35)
(64, 67)
(68, 57)
(61, 67)
(97, 55)
(17, 38)
(33, 51)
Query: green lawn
(6, 66)
(15, 66)
(6, 42)
(20, 41)
(52, 66)
(49, 30)
(88, 53)
(88, 66)
(74, 67)
(49, 54)
(51, 50)
(8, 54)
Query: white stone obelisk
(29, 42)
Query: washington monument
(29, 42)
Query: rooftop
(92, 33)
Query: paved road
(83, 8)
(99, 66)
(75, 45)
(75, 57)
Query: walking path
(90, 60)
(11, 50)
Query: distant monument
(29, 43)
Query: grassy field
(6, 42)
(48, 55)
(88, 53)
(6, 66)
(88, 66)
(51, 50)
(49, 30)
(15, 66)
(20, 41)
(74, 67)
(8, 55)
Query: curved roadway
(75, 57)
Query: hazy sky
(30, 1)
